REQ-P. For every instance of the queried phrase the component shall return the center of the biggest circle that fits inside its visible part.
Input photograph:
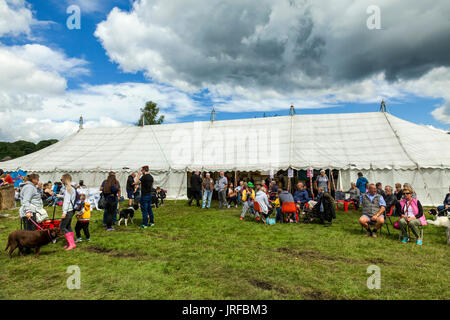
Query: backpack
(77, 204)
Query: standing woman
(68, 211)
(31, 202)
(111, 190)
(322, 182)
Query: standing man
(373, 209)
(146, 197)
(207, 187)
(130, 188)
(222, 189)
(196, 188)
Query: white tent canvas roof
(384, 147)
(341, 141)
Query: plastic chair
(346, 204)
(288, 207)
(257, 208)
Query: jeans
(114, 216)
(146, 208)
(207, 194)
(66, 223)
(441, 208)
(110, 212)
(279, 216)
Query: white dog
(440, 221)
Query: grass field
(211, 254)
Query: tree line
(21, 147)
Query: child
(161, 194)
(83, 218)
(277, 205)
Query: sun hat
(250, 185)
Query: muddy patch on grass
(261, 284)
(377, 261)
(313, 255)
(113, 253)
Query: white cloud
(108, 105)
(261, 54)
(15, 17)
(51, 60)
(251, 56)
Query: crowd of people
(269, 196)
(258, 198)
(35, 195)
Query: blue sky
(173, 57)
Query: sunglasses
(406, 192)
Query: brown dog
(30, 239)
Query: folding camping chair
(409, 233)
(388, 216)
(373, 223)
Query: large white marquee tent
(383, 147)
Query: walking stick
(409, 230)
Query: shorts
(370, 218)
(130, 194)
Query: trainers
(257, 218)
(110, 229)
(78, 240)
(368, 233)
(419, 242)
(152, 224)
(405, 239)
(143, 227)
(241, 218)
(374, 234)
(88, 239)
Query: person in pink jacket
(411, 214)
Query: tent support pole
(181, 185)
